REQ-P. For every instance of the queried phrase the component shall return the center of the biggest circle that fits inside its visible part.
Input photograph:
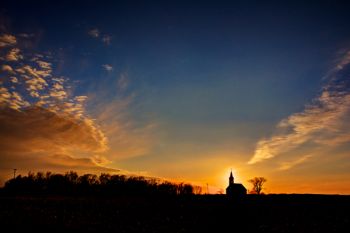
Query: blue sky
(186, 90)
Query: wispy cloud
(129, 136)
(13, 79)
(107, 67)
(26, 35)
(44, 65)
(36, 129)
(8, 69)
(13, 55)
(7, 40)
(323, 121)
(95, 33)
(39, 118)
(123, 81)
(344, 61)
(43, 125)
(290, 164)
(104, 38)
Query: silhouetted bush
(89, 184)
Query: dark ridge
(71, 184)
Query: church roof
(236, 186)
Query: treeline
(71, 183)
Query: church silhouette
(235, 189)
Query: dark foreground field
(270, 213)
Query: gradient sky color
(181, 90)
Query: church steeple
(231, 179)
(235, 190)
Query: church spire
(231, 179)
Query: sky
(179, 90)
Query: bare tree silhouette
(257, 183)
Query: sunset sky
(178, 90)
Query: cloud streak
(40, 121)
(107, 67)
(13, 55)
(7, 40)
(96, 33)
(127, 137)
(36, 129)
(44, 126)
(323, 121)
(290, 164)
(106, 39)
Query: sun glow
(221, 178)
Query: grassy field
(268, 213)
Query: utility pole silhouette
(14, 173)
(207, 189)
